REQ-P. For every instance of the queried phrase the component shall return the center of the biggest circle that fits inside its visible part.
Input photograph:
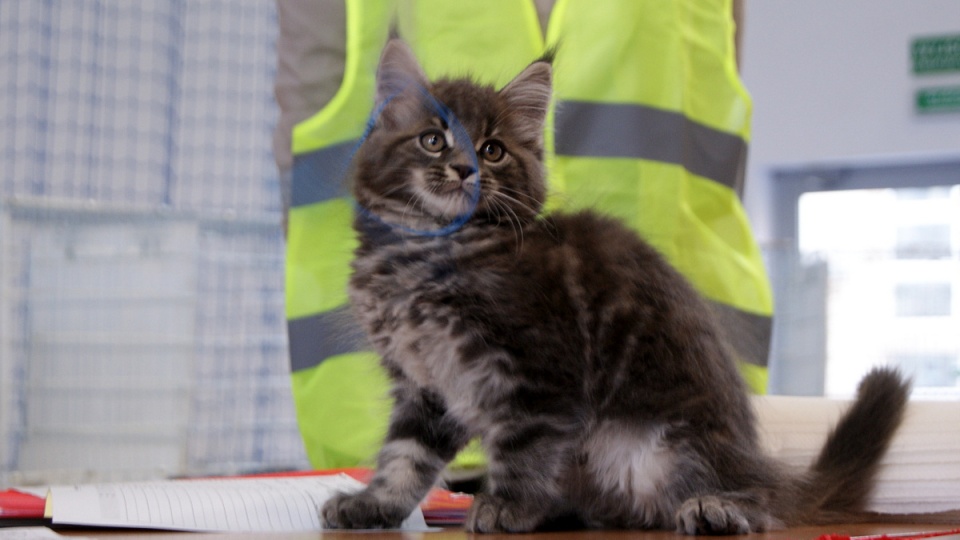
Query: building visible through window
(893, 265)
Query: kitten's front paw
(493, 514)
(360, 511)
(711, 515)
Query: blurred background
(142, 329)
(852, 188)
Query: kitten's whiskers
(512, 218)
(516, 202)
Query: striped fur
(588, 366)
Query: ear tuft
(398, 71)
(529, 94)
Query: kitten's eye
(492, 151)
(433, 141)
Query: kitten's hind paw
(360, 511)
(711, 515)
(490, 514)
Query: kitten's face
(452, 149)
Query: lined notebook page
(248, 504)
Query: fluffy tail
(840, 480)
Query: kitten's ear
(528, 95)
(398, 71)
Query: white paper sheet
(248, 504)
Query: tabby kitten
(588, 366)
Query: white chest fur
(629, 462)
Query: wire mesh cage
(141, 257)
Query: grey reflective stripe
(747, 333)
(620, 130)
(315, 338)
(321, 175)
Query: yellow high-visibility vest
(651, 125)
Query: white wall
(832, 81)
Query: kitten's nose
(463, 171)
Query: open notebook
(262, 503)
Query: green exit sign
(944, 99)
(936, 54)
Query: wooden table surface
(803, 533)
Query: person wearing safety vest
(651, 125)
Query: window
(923, 299)
(929, 370)
(864, 270)
(923, 241)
